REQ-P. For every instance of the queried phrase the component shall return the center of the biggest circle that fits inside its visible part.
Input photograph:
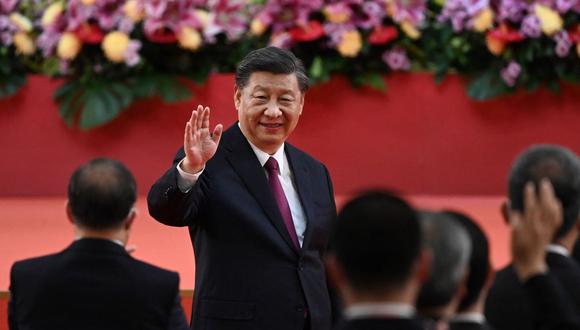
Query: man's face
(268, 108)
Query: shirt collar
(558, 249)
(469, 317)
(264, 156)
(116, 241)
(392, 310)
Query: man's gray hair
(450, 248)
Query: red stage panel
(418, 138)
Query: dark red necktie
(272, 168)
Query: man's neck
(118, 236)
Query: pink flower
(397, 59)
(510, 73)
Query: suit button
(300, 309)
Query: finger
(205, 122)
(187, 136)
(217, 133)
(530, 202)
(200, 114)
(515, 220)
(550, 203)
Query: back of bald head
(101, 194)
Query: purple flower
(226, 16)
(396, 59)
(563, 43)
(513, 10)
(7, 6)
(132, 57)
(510, 73)
(170, 14)
(335, 32)
(563, 6)
(461, 12)
(531, 26)
(282, 15)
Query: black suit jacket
(513, 305)
(466, 325)
(248, 274)
(93, 284)
(380, 324)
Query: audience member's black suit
(508, 305)
(467, 325)
(93, 284)
(576, 252)
(380, 324)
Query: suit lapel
(301, 177)
(246, 165)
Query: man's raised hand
(199, 144)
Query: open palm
(199, 144)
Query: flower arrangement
(113, 52)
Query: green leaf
(317, 68)
(100, 107)
(172, 90)
(11, 84)
(553, 85)
(374, 80)
(487, 86)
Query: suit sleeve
(169, 205)
(551, 305)
(12, 319)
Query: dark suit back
(508, 306)
(93, 284)
(465, 325)
(248, 274)
(380, 324)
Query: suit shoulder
(304, 156)
(31, 264)
(155, 272)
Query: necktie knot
(272, 165)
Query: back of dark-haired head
(561, 167)
(450, 248)
(376, 240)
(274, 60)
(101, 194)
(479, 263)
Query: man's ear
(301, 103)
(424, 265)
(334, 271)
(69, 213)
(237, 97)
(505, 211)
(130, 219)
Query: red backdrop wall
(418, 138)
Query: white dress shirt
(558, 249)
(185, 182)
(471, 317)
(373, 310)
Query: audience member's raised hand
(199, 143)
(534, 229)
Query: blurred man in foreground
(95, 283)
(377, 262)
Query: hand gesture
(533, 230)
(199, 144)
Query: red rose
(162, 36)
(382, 35)
(506, 34)
(89, 33)
(310, 32)
(574, 33)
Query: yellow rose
(550, 21)
(350, 44)
(410, 30)
(202, 16)
(69, 46)
(24, 43)
(51, 13)
(483, 21)
(494, 45)
(133, 11)
(115, 46)
(21, 21)
(336, 17)
(88, 2)
(578, 49)
(257, 27)
(189, 38)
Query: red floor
(35, 226)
